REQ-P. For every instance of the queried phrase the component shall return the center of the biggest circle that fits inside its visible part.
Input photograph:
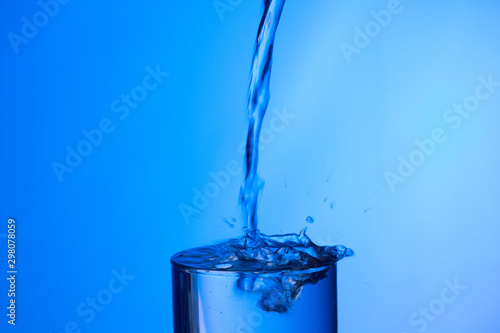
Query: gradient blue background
(120, 207)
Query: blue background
(119, 208)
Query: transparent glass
(210, 301)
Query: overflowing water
(261, 260)
(255, 250)
(271, 271)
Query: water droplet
(223, 266)
(231, 225)
(310, 219)
(331, 205)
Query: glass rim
(272, 271)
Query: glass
(211, 301)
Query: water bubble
(223, 266)
(310, 219)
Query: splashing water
(276, 266)
(256, 253)
(310, 219)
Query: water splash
(310, 219)
(230, 224)
(257, 252)
(258, 100)
(276, 266)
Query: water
(213, 301)
(257, 283)
(256, 254)
(310, 219)
(258, 100)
